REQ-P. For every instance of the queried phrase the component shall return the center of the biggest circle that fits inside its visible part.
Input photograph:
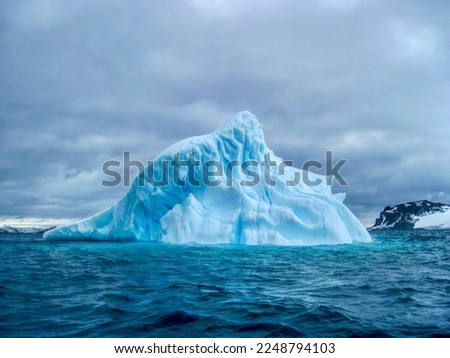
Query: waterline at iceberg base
(263, 213)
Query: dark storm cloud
(81, 82)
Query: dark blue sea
(397, 286)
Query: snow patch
(438, 220)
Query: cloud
(341, 5)
(82, 82)
(415, 42)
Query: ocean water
(397, 286)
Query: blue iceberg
(224, 193)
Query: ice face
(231, 194)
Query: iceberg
(225, 193)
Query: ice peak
(244, 120)
(243, 124)
(245, 117)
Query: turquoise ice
(235, 209)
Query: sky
(82, 82)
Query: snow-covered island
(11, 229)
(421, 214)
(250, 204)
